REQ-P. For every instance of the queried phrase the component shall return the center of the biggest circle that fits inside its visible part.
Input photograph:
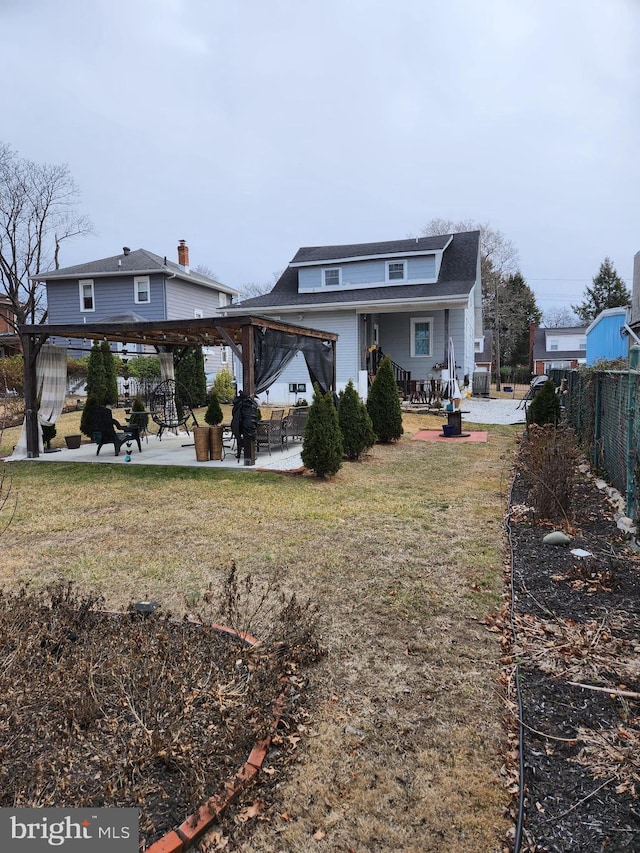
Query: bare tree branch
(37, 213)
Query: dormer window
(332, 277)
(396, 270)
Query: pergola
(242, 334)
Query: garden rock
(556, 537)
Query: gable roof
(540, 351)
(135, 262)
(457, 276)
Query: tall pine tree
(608, 291)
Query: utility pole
(496, 336)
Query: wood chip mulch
(574, 633)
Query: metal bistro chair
(171, 407)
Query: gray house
(138, 283)
(407, 298)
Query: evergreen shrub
(383, 404)
(322, 449)
(355, 423)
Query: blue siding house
(407, 297)
(605, 336)
(138, 284)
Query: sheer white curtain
(166, 366)
(51, 389)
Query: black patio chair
(104, 428)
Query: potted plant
(213, 416)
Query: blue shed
(605, 338)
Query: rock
(556, 537)
(626, 524)
(600, 483)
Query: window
(421, 337)
(87, 301)
(396, 270)
(553, 346)
(198, 313)
(332, 277)
(141, 290)
(582, 343)
(224, 355)
(222, 300)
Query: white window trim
(222, 300)
(325, 270)
(140, 279)
(404, 271)
(198, 314)
(224, 355)
(414, 322)
(81, 285)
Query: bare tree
(559, 317)
(37, 214)
(259, 288)
(203, 269)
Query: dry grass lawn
(402, 552)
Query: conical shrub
(355, 423)
(383, 404)
(322, 445)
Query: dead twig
(579, 803)
(631, 694)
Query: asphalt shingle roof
(457, 273)
(135, 262)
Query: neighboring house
(136, 283)
(606, 335)
(557, 348)
(9, 340)
(484, 353)
(404, 297)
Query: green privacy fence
(603, 406)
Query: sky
(250, 128)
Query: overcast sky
(250, 128)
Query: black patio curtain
(319, 358)
(273, 350)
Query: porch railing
(402, 376)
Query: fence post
(634, 363)
(597, 421)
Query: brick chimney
(183, 255)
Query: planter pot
(215, 442)
(201, 442)
(73, 441)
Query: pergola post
(248, 385)
(30, 349)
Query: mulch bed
(119, 710)
(577, 622)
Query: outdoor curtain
(51, 390)
(166, 366)
(273, 350)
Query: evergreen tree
(517, 310)
(608, 291)
(355, 423)
(96, 377)
(190, 376)
(322, 445)
(110, 375)
(213, 415)
(383, 404)
(223, 386)
(545, 406)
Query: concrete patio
(175, 450)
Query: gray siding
(184, 298)
(395, 340)
(114, 295)
(361, 273)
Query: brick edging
(194, 827)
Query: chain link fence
(603, 407)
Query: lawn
(402, 553)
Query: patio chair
(297, 422)
(171, 407)
(104, 428)
(272, 432)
